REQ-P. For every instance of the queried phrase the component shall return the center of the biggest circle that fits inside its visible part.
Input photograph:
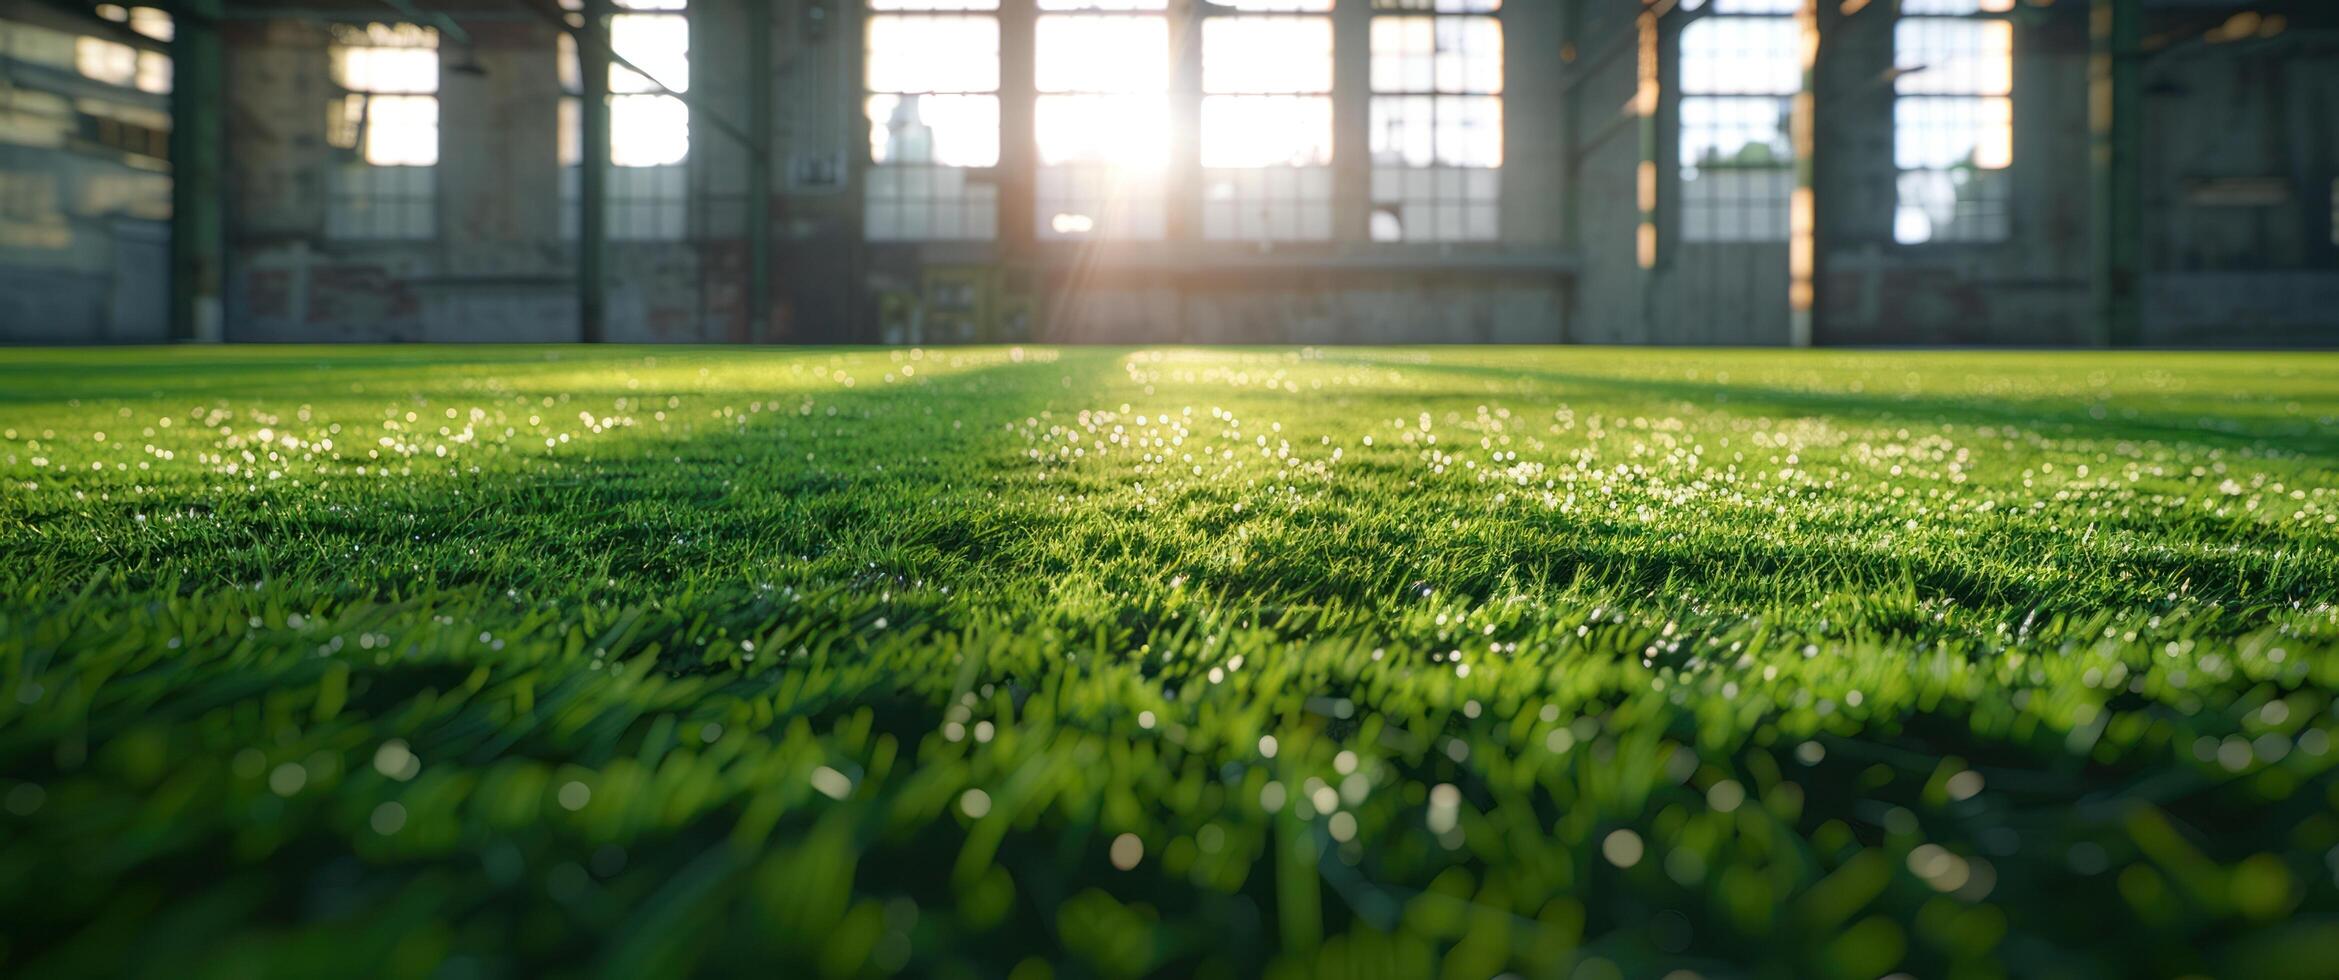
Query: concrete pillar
(1183, 186)
(1534, 122)
(1352, 80)
(198, 226)
(1018, 147)
(2115, 166)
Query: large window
(1953, 120)
(1437, 137)
(933, 114)
(1102, 119)
(386, 116)
(1267, 121)
(1740, 71)
(649, 130)
(116, 63)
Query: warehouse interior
(2096, 173)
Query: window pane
(1936, 132)
(930, 121)
(952, 130)
(1266, 131)
(1912, 7)
(1102, 54)
(1276, 6)
(656, 43)
(1733, 55)
(1127, 130)
(385, 58)
(106, 61)
(1934, 56)
(1959, 205)
(1441, 6)
(648, 130)
(1741, 132)
(1264, 55)
(1437, 54)
(933, 54)
(1745, 6)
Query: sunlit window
(1102, 119)
(1740, 70)
(1267, 120)
(154, 22)
(387, 117)
(116, 63)
(1437, 131)
(933, 113)
(1953, 120)
(649, 130)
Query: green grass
(1602, 663)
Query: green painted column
(198, 138)
(759, 170)
(593, 173)
(2116, 169)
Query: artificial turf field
(1086, 662)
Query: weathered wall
(2241, 142)
(499, 268)
(82, 234)
(2031, 288)
(1347, 289)
(2245, 154)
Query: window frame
(1747, 229)
(1999, 207)
(1473, 191)
(357, 186)
(971, 194)
(1287, 207)
(1138, 220)
(1022, 180)
(644, 202)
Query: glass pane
(648, 130)
(933, 54)
(658, 44)
(952, 130)
(1934, 56)
(1265, 55)
(1266, 131)
(1936, 132)
(1127, 130)
(402, 131)
(1732, 55)
(1102, 54)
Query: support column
(1183, 172)
(1803, 202)
(1647, 90)
(1019, 156)
(1571, 193)
(759, 171)
(593, 173)
(2115, 165)
(1352, 82)
(198, 221)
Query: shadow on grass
(2059, 417)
